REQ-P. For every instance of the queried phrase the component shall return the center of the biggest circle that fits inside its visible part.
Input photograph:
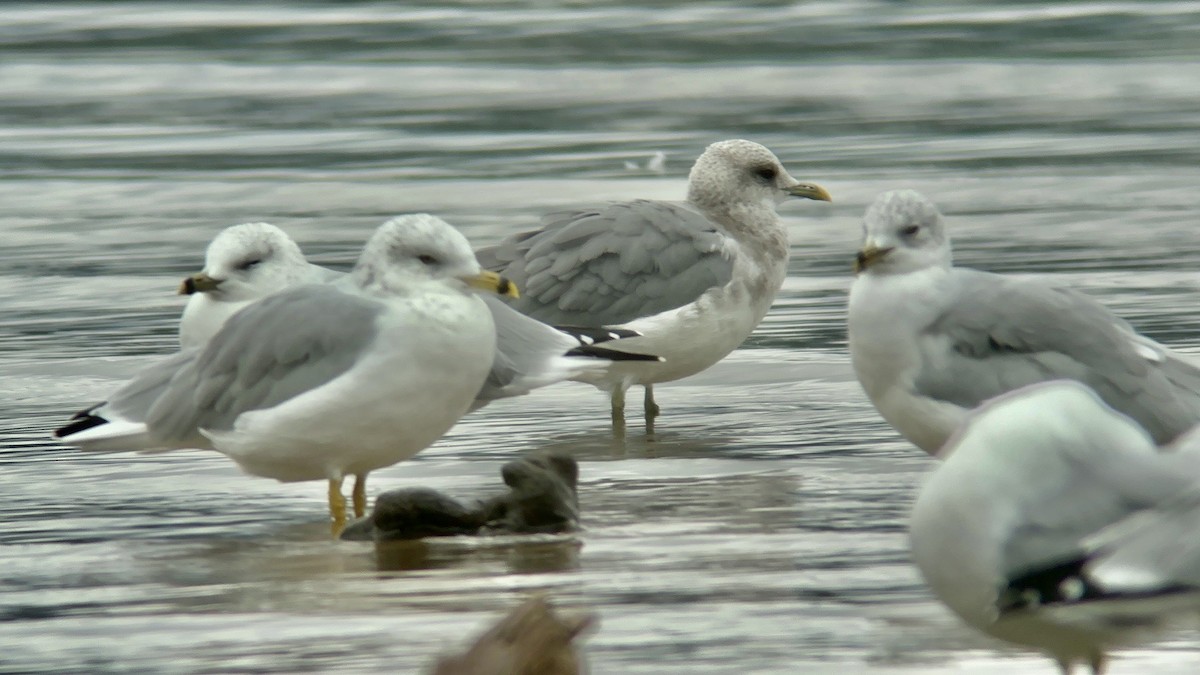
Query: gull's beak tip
(493, 283)
(507, 288)
(868, 256)
(198, 283)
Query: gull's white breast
(888, 315)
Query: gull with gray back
(930, 341)
(693, 278)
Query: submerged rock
(414, 513)
(529, 640)
(541, 499)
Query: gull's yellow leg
(360, 495)
(337, 506)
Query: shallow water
(761, 528)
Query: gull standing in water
(1055, 522)
(930, 341)
(694, 278)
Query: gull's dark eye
(766, 173)
(247, 264)
(910, 230)
(427, 259)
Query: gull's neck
(755, 226)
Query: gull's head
(418, 248)
(247, 261)
(737, 172)
(902, 232)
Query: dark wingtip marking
(1068, 583)
(587, 335)
(81, 421)
(592, 351)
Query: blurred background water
(761, 529)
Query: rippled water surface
(761, 529)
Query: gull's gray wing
(1091, 483)
(613, 263)
(1122, 526)
(999, 333)
(269, 352)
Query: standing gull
(327, 380)
(1054, 522)
(242, 264)
(930, 341)
(694, 277)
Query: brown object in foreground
(530, 640)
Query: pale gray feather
(268, 353)
(132, 401)
(1085, 485)
(612, 263)
(1006, 333)
(524, 349)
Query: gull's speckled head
(736, 172)
(902, 232)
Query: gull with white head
(1054, 522)
(244, 263)
(930, 341)
(694, 278)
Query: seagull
(930, 341)
(322, 381)
(1055, 522)
(244, 263)
(693, 278)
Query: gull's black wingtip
(588, 338)
(81, 421)
(592, 351)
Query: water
(762, 528)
